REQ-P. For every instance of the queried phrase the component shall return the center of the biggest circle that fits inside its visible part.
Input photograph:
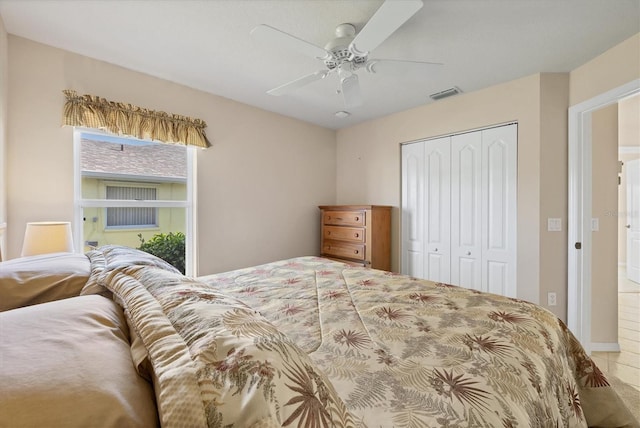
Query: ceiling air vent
(446, 93)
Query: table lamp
(45, 237)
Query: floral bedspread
(403, 352)
(215, 362)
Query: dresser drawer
(343, 249)
(355, 234)
(344, 218)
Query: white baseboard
(605, 347)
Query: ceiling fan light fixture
(342, 114)
(339, 48)
(348, 52)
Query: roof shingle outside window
(150, 160)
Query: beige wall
(258, 186)
(554, 98)
(614, 68)
(369, 165)
(604, 253)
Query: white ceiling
(206, 44)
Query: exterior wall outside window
(130, 177)
(95, 227)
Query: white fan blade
(350, 88)
(387, 19)
(393, 66)
(298, 83)
(284, 40)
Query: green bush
(169, 247)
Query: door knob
(628, 226)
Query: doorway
(581, 222)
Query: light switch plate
(554, 224)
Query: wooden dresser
(357, 234)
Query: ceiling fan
(348, 52)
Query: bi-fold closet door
(459, 209)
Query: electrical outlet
(551, 298)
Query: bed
(117, 337)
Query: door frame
(580, 212)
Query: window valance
(126, 119)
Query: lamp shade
(47, 237)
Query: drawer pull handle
(357, 235)
(356, 251)
(329, 233)
(339, 218)
(468, 253)
(357, 218)
(436, 250)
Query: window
(122, 217)
(127, 190)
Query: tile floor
(625, 364)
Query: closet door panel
(496, 277)
(495, 199)
(466, 191)
(499, 153)
(413, 215)
(466, 184)
(437, 209)
(438, 271)
(466, 273)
